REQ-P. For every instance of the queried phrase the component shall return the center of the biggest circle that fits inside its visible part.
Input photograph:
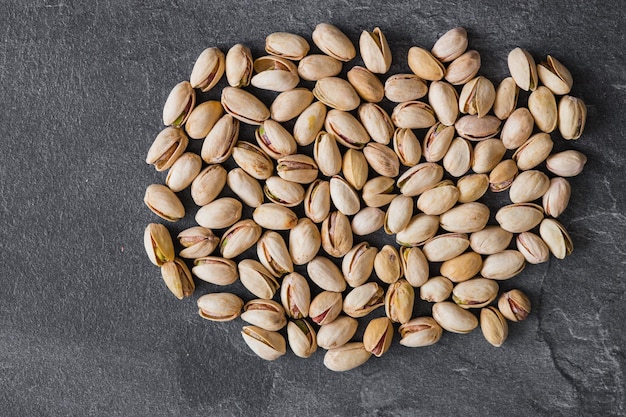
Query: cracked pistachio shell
(239, 65)
(382, 159)
(364, 299)
(295, 295)
(407, 147)
(399, 301)
(366, 84)
(450, 45)
(337, 93)
(475, 293)
(375, 51)
(357, 265)
(275, 74)
(529, 186)
(517, 128)
(388, 265)
(445, 102)
(325, 274)
(398, 214)
(437, 142)
(253, 160)
(202, 119)
(367, 221)
(556, 198)
(290, 104)
(302, 338)
(326, 153)
(420, 178)
(347, 129)
(490, 240)
(446, 246)
(413, 115)
(297, 168)
(257, 279)
(208, 69)
(167, 147)
(158, 244)
(465, 218)
(216, 270)
(378, 191)
(476, 128)
(533, 248)
(273, 253)
(267, 345)
(506, 98)
(219, 306)
(415, 265)
(355, 168)
(477, 96)
(494, 326)
(572, 117)
(519, 217)
(208, 184)
(304, 241)
(309, 123)
(472, 187)
(337, 333)
(503, 175)
(421, 227)
(458, 159)
(179, 104)
(514, 305)
(436, 289)
(317, 66)
(332, 41)
(463, 68)
(336, 234)
(164, 203)
(244, 106)
(245, 187)
(220, 213)
(198, 242)
(462, 267)
(425, 65)
(343, 196)
(556, 237)
(542, 106)
(286, 45)
(378, 336)
(273, 216)
(523, 69)
(325, 307)
(534, 151)
(317, 201)
(240, 237)
(503, 265)
(454, 318)
(420, 332)
(266, 314)
(555, 76)
(275, 140)
(346, 357)
(487, 154)
(377, 122)
(567, 163)
(404, 87)
(218, 145)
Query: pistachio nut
(240, 237)
(367, 221)
(533, 248)
(555, 76)
(347, 129)
(355, 169)
(346, 357)
(366, 84)
(337, 93)
(407, 147)
(462, 267)
(375, 51)
(378, 336)
(317, 201)
(332, 41)
(257, 279)
(244, 106)
(388, 265)
(309, 123)
(378, 191)
(465, 218)
(529, 186)
(274, 255)
(304, 241)
(167, 147)
(358, 263)
(317, 66)
(220, 213)
(475, 293)
(158, 244)
(275, 140)
(506, 98)
(399, 301)
(202, 119)
(179, 104)
(327, 155)
(477, 96)
(446, 246)
(534, 151)
(523, 69)
(463, 68)
(503, 175)
(454, 318)
(267, 345)
(437, 142)
(556, 199)
(377, 122)
(519, 217)
(404, 87)
(419, 178)
(275, 217)
(266, 314)
(445, 102)
(436, 289)
(219, 306)
(290, 104)
(421, 227)
(567, 163)
(398, 214)
(295, 295)
(458, 159)
(450, 45)
(494, 326)
(514, 305)
(336, 234)
(253, 160)
(286, 45)
(490, 240)
(572, 117)
(503, 265)
(245, 187)
(476, 128)
(343, 196)
(275, 74)
(208, 69)
(337, 333)
(239, 65)
(413, 115)
(216, 270)
(297, 168)
(364, 299)
(517, 128)
(198, 242)
(415, 265)
(325, 307)
(425, 65)
(556, 237)
(164, 203)
(302, 339)
(325, 274)
(382, 159)
(487, 154)
(420, 332)
(472, 187)
(542, 106)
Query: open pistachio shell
(337, 93)
(219, 306)
(378, 336)
(179, 104)
(503, 265)
(286, 45)
(158, 244)
(404, 87)
(332, 41)
(244, 106)
(420, 332)
(302, 338)
(239, 65)
(493, 325)
(215, 270)
(208, 69)
(523, 69)
(475, 293)
(267, 345)
(167, 147)
(346, 357)
(454, 318)
(375, 51)
(450, 45)
(555, 76)
(337, 333)
(164, 203)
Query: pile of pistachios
(366, 170)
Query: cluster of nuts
(353, 173)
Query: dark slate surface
(87, 326)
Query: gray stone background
(87, 327)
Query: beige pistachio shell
(462, 267)
(514, 305)
(555, 76)
(503, 175)
(257, 279)
(445, 102)
(208, 69)
(215, 270)
(419, 178)
(475, 293)
(437, 142)
(398, 214)
(517, 128)
(520, 217)
(202, 119)
(315, 67)
(523, 69)
(309, 123)
(534, 151)
(337, 333)
(420, 332)
(367, 221)
(267, 345)
(487, 154)
(275, 74)
(556, 237)
(542, 106)
(382, 159)
(347, 129)
(357, 265)
(337, 93)
(465, 218)
(413, 115)
(529, 186)
(567, 163)
(407, 147)
(377, 122)
(490, 240)
(297, 168)
(273, 216)
(343, 196)
(404, 87)
(346, 357)
(336, 234)
(245, 187)
(463, 68)
(378, 191)
(220, 213)
(454, 318)
(167, 147)
(378, 336)
(445, 246)
(244, 106)
(332, 41)
(275, 140)
(239, 65)
(325, 274)
(326, 153)
(458, 159)
(304, 241)
(503, 265)
(506, 98)
(164, 203)
(290, 104)
(477, 96)
(363, 300)
(532, 247)
(179, 104)
(325, 307)
(476, 128)
(494, 326)
(355, 168)
(219, 306)
(572, 117)
(450, 45)
(158, 244)
(302, 338)
(425, 65)
(218, 145)
(273, 253)
(472, 187)
(317, 201)
(415, 266)
(177, 278)
(208, 184)
(286, 45)
(399, 301)
(266, 314)
(183, 172)
(439, 199)
(375, 51)
(556, 198)
(436, 289)
(366, 84)
(388, 265)
(240, 237)
(420, 228)
(253, 160)
(295, 295)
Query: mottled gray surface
(87, 327)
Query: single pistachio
(542, 106)
(202, 119)
(520, 217)
(267, 345)
(415, 266)
(477, 96)
(208, 69)
(407, 147)
(490, 240)
(567, 163)
(275, 217)
(257, 279)
(375, 51)
(436, 289)
(534, 151)
(337, 333)
(208, 184)
(218, 306)
(355, 169)
(325, 274)
(523, 69)
(405, 87)
(462, 267)
(336, 234)
(317, 66)
(445, 102)
(398, 214)
(158, 244)
(446, 246)
(367, 221)
(556, 237)
(556, 199)
(253, 160)
(317, 201)
(458, 159)
(463, 68)
(244, 106)
(346, 357)
(297, 168)
(366, 84)
(420, 228)
(503, 265)
(503, 175)
(425, 65)
(494, 326)
(309, 123)
(487, 154)
(420, 332)
(240, 237)
(239, 65)
(450, 45)
(302, 338)
(220, 213)
(382, 159)
(337, 93)
(399, 301)
(529, 186)
(454, 318)
(295, 295)
(275, 74)
(378, 336)
(465, 218)
(347, 129)
(437, 142)
(245, 187)
(378, 191)
(533, 248)
(325, 307)
(477, 128)
(420, 178)
(266, 314)
(343, 196)
(364, 299)
(357, 265)
(413, 115)
(167, 147)
(327, 154)
(198, 242)
(164, 203)
(215, 270)
(273, 254)
(555, 76)
(286, 45)
(332, 41)
(290, 104)
(517, 128)
(572, 117)
(377, 122)
(506, 98)
(388, 265)
(472, 187)
(514, 305)
(275, 140)
(475, 293)
(179, 104)
(304, 241)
